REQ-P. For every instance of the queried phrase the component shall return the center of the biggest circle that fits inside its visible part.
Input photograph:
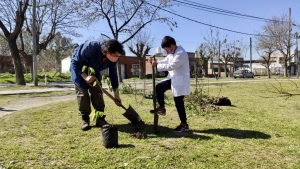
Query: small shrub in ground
(128, 89)
(200, 103)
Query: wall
(6, 64)
(65, 65)
(127, 61)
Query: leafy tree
(126, 17)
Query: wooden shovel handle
(112, 97)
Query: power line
(218, 12)
(204, 23)
(221, 10)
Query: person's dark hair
(167, 41)
(113, 46)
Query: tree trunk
(29, 63)
(285, 69)
(225, 67)
(268, 71)
(119, 72)
(20, 80)
(140, 68)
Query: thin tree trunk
(140, 69)
(119, 72)
(225, 67)
(285, 69)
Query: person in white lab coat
(178, 80)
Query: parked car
(243, 74)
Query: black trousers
(85, 97)
(161, 88)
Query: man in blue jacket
(99, 56)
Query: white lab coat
(177, 65)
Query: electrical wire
(219, 10)
(250, 34)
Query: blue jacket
(90, 54)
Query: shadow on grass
(162, 131)
(236, 133)
(125, 146)
(3, 109)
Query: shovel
(130, 113)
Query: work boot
(100, 122)
(85, 122)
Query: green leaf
(83, 68)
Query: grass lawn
(260, 130)
(6, 78)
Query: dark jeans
(179, 103)
(84, 99)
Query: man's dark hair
(113, 46)
(167, 41)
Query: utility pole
(219, 69)
(196, 68)
(35, 77)
(289, 46)
(250, 54)
(297, 55)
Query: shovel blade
(132, 115)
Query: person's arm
(165, 60)
(177, 61)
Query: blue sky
(190, 34)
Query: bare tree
(265, 47)
(11, 22)
(4, 49)
(52, 15)
(204, 56)
(231, 52)
(236, 48)
(277, 31)
(58, 48)
(214, 45)
(140, 45)
(126, 17)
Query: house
(65, 64)
(130, 65)
(276, 64)
(7, 65)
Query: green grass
(6, 78)
(260, 130)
